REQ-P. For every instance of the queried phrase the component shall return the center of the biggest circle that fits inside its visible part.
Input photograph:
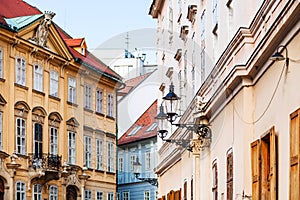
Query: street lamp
(137, 168)
(277, 56)
(201, 128)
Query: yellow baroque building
(57, 111)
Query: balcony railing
(45, 161)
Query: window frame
(38, 77)
(1, 63)
(72, 147)
(110, 196)
(101, 195)
(87, 194)
(148, 160)
(110, 105)
(53, 192)
(20, 191)
(88, 151)
(21, 71)
(126, 195)
(99, 154)
(53, 141)
(215, 180)
(38, 140)
(37, 193)
(87, 96)
(110, 157)
(72, 83)
(229, 174)
(54, 83)
(99, 100)
(146, 192)
(21, 148)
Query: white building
(221, 48)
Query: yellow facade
(23, 103)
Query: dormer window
(183, 32)
(82, 51)
(192, 11)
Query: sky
(100, 22)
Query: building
(250, 101)
(138, 144)
(57, 111)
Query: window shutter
(294, 155)
(273, 167)
(255, 164)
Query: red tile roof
(74, 42)
(144, 121)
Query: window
(53, 192)
(53, 141)
(72, 90)
(72, 148)
(99, 101)
(1, 63)
(170, 19)
(88, 151)
(152, 127)
(132, 160)
(21, 71)
(99, 195)
(215, 180)
(53, 83)
(148, 160)
(1, 129)
(135, 130)
(121, 165)
(37, 192)
(21, 136)
(294, 154)
(38, 78)
(229, 175)
(20, 191)
(87, 195)
(110, 105)
(185, 191)
(263, 163)
(147, 195)
(110, 157)
(38, 140)
(110, 196)
(87, 96)
(215, 13)
(126, 195)
(99, 154)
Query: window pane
(54, 83)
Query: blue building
(138, 144)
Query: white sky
(98, 21)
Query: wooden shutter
(294, 156)
(255, 165)
(273, 166)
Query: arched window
(215, 180)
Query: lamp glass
(277, 57)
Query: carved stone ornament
(41, 34)
(198, 145)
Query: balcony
(44, 167)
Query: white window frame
(72, 90)
(99, 154)
(148, 160)
(147, 195)
(121, 164)
(38, 77)
(53, 140)
(21, 71)
(37, 192)
(21, 136)
(20, 190)
(126, 195)
(132, 161)
(170, 19)
(87, 96)
(87, 195)
(110, 105)
(71, 147)
(88, 151)
(53, 192)
(99, 195)
(110, 196)
(110, 157)
(53, 83)
(99, 101)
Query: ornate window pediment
(21, 109)
(183, 32)
(2, 100)
(192, 11)
(38, 114)
(72, 123)
(54, 119)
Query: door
(71, 193)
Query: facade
(57, 111)
(250, 101)
(138, 144)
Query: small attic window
(134, 131)
(83, 51)
(152, 127)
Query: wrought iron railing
(45, 161)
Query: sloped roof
(133, 83)
(140, 129)
(74, 42)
